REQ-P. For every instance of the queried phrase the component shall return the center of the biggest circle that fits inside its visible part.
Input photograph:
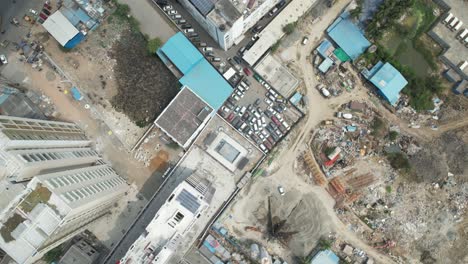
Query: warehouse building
(203, 91)
(348, 36)
(387, 79)
(73, 21)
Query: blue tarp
(76, 94)
(199, 75)
(387, 79)
(348, 36)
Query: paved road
(152, 23)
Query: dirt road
(320, 109)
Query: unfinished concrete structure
(55, 207)
(29, 147)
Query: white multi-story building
(29, 147)
(171, 223)
(55, 207)
(227, 20)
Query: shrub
(399, 161)
(289, 28)
(392, 135)
(153, 45)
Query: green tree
(289, 28)
(153, 45)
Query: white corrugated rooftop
(60, 28)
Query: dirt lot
(127, 98)
(301, 210)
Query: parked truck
(448, 18)
(458, 26)
(453, 23)
(463, 34)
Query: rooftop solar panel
(203, 6)
(188, 200)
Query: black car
(281, 4)
(237, 60)
(186, 26)
(257, 29)
(257, 102)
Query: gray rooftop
(183, 116)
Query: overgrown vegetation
(392, 135)
(328, 150)
(53, 255)
(378, 127)
(122, 13)
(153, 45)
(289, 28)
(399, 161)
(357, 10)
(386, 16)
(9, 226)
(39, 195)
(386, 21)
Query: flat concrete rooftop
(184, 115)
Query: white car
(281, 190)
(225, 109)
(3, 59)
(167, 8)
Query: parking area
(259, 112)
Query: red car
(230, 117)
(247, 71)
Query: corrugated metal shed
(388, 80)
(325, 65)
(348, 36)
(60, 28)
(183, 54)
(325, 257)
(199, 75)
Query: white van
(190, 30)
(208, 49)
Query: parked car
(186, 26)
(281, 190)
(305, 40)
(3, 59)
(325, 92)
(237, 60)
(207, 49)
(177, 16)
(172, 12)
(189, 30)
(215, 59)
(167, 8)
(247, 71)
(273, 11)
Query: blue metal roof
(181, 52)
(296, 98)
(325, 65)
(325, 257)
(348, 36)
(323, 47)
(199, 75)
(388, 80)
